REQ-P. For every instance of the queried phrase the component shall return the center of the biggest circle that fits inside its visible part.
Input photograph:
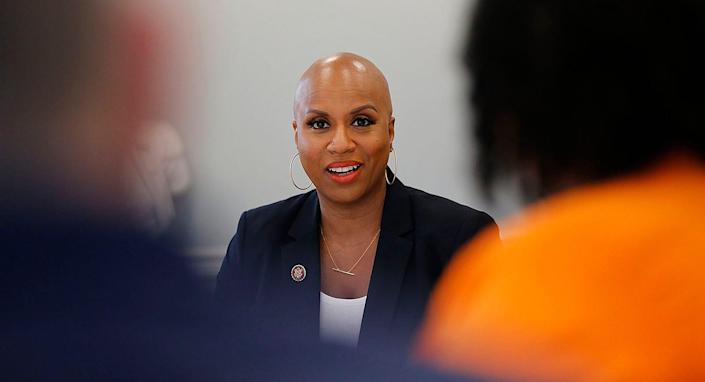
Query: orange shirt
(601, 283)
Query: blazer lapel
(393, 252)
(302, 298)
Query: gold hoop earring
(394, 178)
(291, 174)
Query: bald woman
(352, 261)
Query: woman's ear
(296, 136)
(392, 120)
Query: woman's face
(344, 131)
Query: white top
(341, 318)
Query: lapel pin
(298, 273)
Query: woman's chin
(341, 195)
(347, 194)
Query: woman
(601, 101)
(355, 259)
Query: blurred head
(567, 92)
(344, 127)
(75, 89)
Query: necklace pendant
(343, 272)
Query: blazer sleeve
(232, 291)
(471, 227)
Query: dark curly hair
(580, 90)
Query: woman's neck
(350, 220)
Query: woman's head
(344, 127)
(567, 92)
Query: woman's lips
(344, 172)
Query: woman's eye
(319, 124)
(362, 122)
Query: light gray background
(252, 54)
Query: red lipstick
(344, 172)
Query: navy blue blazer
(420, 233)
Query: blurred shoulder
(437, 210)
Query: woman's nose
(341, 142)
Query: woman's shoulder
(282, 207)
(275, 216)
(436, 208)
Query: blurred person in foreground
(597, 107)
(85, 297)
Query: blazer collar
(393, 252)
(308, 218)
(396, 215)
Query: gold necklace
(337, 268)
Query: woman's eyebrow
(316, 111)
(363, 107)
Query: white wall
(254, 52)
